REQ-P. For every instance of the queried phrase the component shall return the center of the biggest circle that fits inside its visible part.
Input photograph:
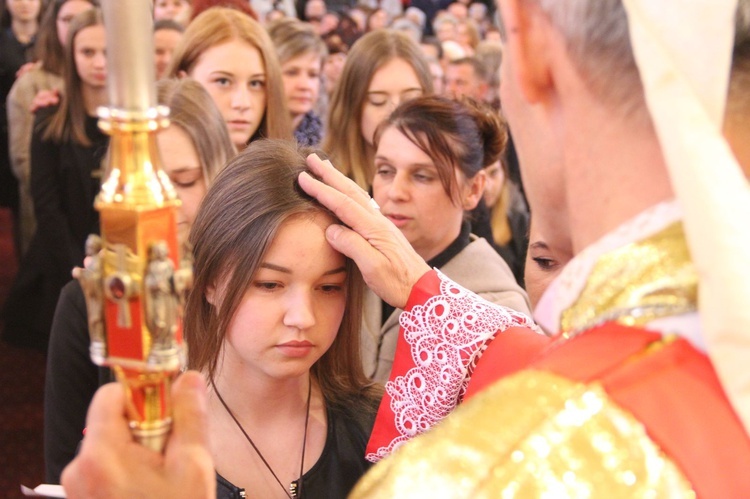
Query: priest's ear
(528, 42)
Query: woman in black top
(67, 150)
(273, 323)
(19, 22)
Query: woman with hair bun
(429, 160)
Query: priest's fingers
(188, 459)
(382, 275)
(354, 210)
(334, 178)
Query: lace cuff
(444, 330)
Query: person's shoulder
(31, 82)
(72, 294)
(479, 260)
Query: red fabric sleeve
(443, 332)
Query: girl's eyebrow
(285, 270)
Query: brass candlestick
(134, 279)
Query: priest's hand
(388, 263)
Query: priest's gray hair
(598, 41)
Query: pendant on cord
(293, 488)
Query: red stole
(670, 387)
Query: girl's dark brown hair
(466, 135)
(69, 121)
(240, 216)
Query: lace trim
(446, 336)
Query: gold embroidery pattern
(637, 284)
(533, 434)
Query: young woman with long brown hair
(383, 69)
(67, 150)
(273, 322)
(47, 75)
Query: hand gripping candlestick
(134, 280)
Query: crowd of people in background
(323, 74)
(343, 66)
(404, 99)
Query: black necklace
(295, 488)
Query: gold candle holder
(134, 279)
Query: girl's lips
(295, 343)
(238, 124)
(295, 349)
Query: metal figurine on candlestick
(134, 280)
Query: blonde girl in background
(232, 56)
(383, 69)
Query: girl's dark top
(71, 381)
(65, 179)
(13, 55)
(342, 462)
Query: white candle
(131, 69)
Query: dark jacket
(63, 186)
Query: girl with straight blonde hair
(383, 69)
(232, 56)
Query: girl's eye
(544, 263)
(184, 185)
(266, 286)
(222, 82)
(331, 288)
(186, 178)
(421, 177)
(411, 94)
(384, 171)
(377, 100)
(257, 84)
